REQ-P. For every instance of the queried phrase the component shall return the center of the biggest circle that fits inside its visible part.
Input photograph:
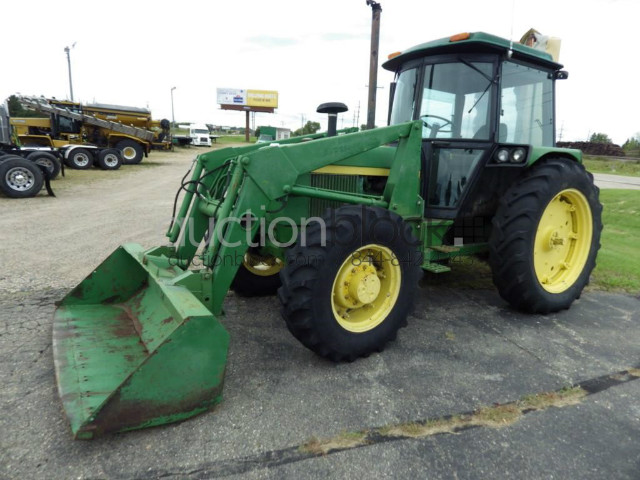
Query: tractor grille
(340, 183)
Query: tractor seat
(483, 133)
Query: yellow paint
(262, 98)
(366, 288)
(263, 266)
(347, 170)
(563, 241)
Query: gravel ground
(55, 242)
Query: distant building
(270, 134)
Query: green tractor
(341, 227)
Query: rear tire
(132, 152)
(545, 237)
(80, 159)
(348, 296)
(20, 178)
(48, 161)
(109, 159)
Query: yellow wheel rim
(128, 153)
(366, 288)
(563, 241)
(262, 265)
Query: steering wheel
(436, 127)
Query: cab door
(456, 103)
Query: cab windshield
(453, 99)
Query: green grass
(618, 263)
(235, 139)
(616, 167)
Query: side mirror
(559, 75)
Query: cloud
(268, 41)
(339, 37)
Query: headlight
(501, 155)
(518, 155)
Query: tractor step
(445, 249)
(435, 267)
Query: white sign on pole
(231, 96)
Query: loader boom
(143, 309)
(270, 174)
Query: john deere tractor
(341, 227)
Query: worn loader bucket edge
(120, 366)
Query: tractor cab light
(460, 36)
(518, 155)
(502, 155)
(393, 55)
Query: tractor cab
(483, 103)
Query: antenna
(513, 10)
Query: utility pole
(376, 8)
(173, 116)
(67, 49)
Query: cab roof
(477, 42)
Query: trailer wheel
(20, 178)
(132, 152)
(109, 159)
(80, 159)
(48, 161)
(258, 275)
(545, 237)
(347, 295)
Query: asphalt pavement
(463, 349)
(605, 180)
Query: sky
(134, 52)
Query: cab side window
(526, 114)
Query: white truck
(199, 134)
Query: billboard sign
(262, 98)
(249, 98)
(232, 96)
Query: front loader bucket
(132, 350)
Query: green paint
(539, 153)
(477, 41)
(131, 348)
(139, 343)
(320, 193)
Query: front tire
(20, 178)
(258, 275)
(545, 237)
(347, 296)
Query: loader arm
(256, 178)
(139, 342)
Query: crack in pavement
(502, 335)
(372, 436)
